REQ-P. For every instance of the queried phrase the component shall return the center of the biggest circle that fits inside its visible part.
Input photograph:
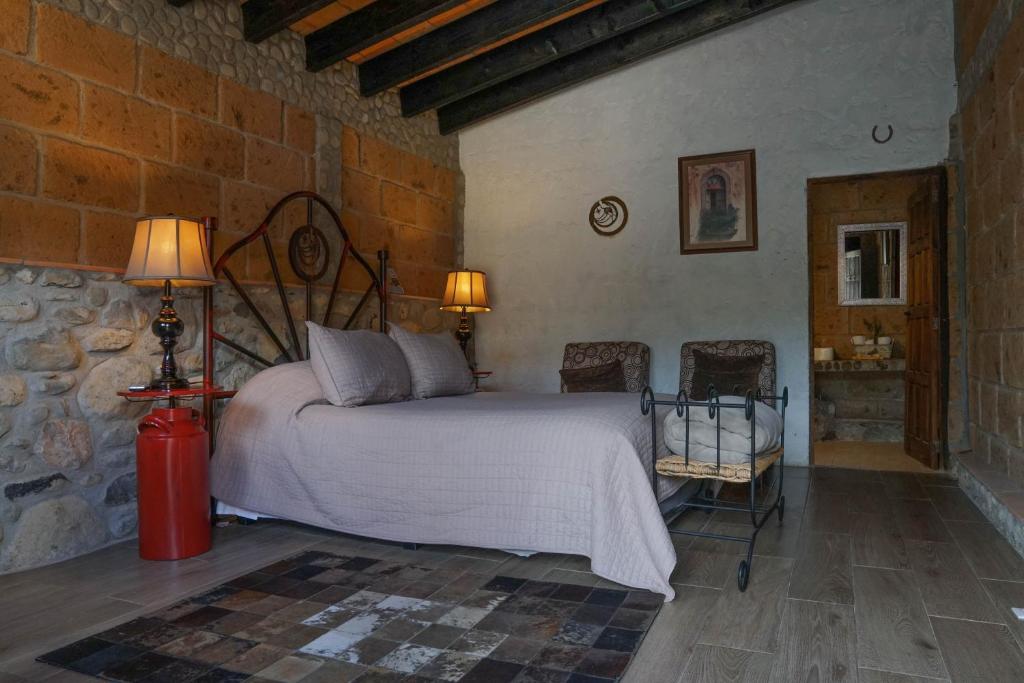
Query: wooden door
(925, 420)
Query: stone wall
(111, 110)
(70, 341)
(992, 127)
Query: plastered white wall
(803, 86)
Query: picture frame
(718, 203)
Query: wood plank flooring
(876, 577)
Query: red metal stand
(173, 467)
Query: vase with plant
(874, 328)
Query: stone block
(65, 279)
(170, 189)
(73, 44)
(273, 165)
(891, 410)
(98, 397)
(42, 349)
(31, 487)
(419, 173)
(126, 122)
(868, 430)
(75, 315)
(122, 490)
(250, 111)
(17, 308)
(53, 383)
(852, 408)
(89, 175)
(1011, 416)
(399, 203)
(13, 390)
(14, 25)
(349, 147)
(300, 129)
(107, 240)
(53, 530)
(1013, 358)
(447, 182)
(208, 146)
(178, 83)
(380, 159)
(435, 214)
(108, 339)
(245, 207)
(360, 192)
(37, 97)
(65, 443)
(20, 167)
(122, 314)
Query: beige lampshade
(466, 288)
(169, 248)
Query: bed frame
(311, 261)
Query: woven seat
(675, 466)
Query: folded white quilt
(735, 440)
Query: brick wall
(992, 122)
(833, 203)
(99, 128)
(403, 202)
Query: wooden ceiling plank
(263, 18)
(670, 31)
(178, 3)
(453, 40)
(534, 50)
(366, 26)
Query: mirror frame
(841, 232)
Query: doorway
(879, 321)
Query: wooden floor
(874, 576)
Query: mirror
(872, 264)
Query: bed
(561, 473)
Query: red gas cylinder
(173, 460)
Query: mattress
(560, 473)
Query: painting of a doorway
(717, 203)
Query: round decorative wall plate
(608, 216)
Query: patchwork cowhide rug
(323, 617)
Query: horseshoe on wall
(874, 135)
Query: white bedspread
(562, 473)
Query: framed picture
(717, 203)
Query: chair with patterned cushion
(634, 356)
(736, 348)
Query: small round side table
(172, 456)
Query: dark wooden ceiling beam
(599, 59)
(263, 18)
(475, 30)
(178, 3)
(368, 26)
(534, 50)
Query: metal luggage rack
(759, 464)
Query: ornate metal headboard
(314, 266)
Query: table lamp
(465, 292)
(169, 250)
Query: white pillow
(357, 367)
(436, 363)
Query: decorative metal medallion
(309, 253)
(608, 216)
